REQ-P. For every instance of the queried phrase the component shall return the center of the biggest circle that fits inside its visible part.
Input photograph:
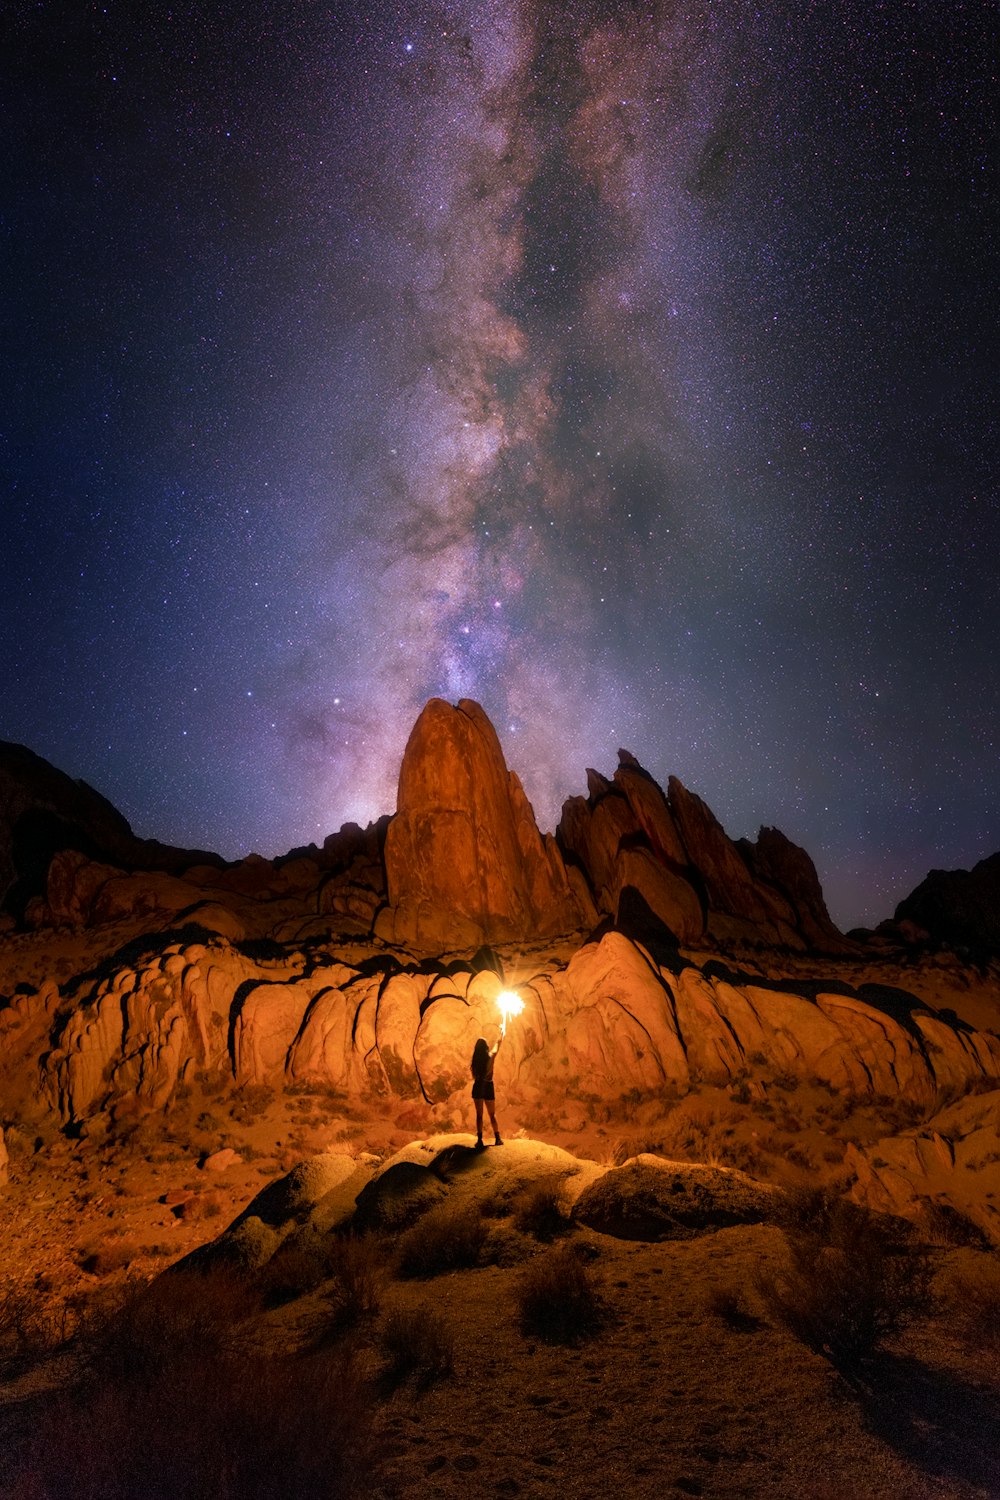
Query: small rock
(176, 1196)
(221, 1161)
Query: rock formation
(958, 907)
(631, 840)
(43, 810)
(461, 863)
(367, 967)
(465, 863)
(610, 1022)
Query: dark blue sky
(630, 368)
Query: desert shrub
(729, 1305)
(497, 1201)
(296, 1268)
(448, 1238)
(558, 1298)
(973, 1301)
(416, 1341)
(357, 1268)
(625, 1147)
(539, 1210)
(32, 1325)
(245, 1427)
(948, 1225)
(848, 1282)
(140, 1329)
(252, 1101)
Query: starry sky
(628, 367)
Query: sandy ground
(669, 1398)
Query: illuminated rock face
(465, 863)
(609, 1022)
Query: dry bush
(416, 1341)
(140, 1329)
(449, 1237)
(497, 1200)
(558, 1298)
(948, 1225)
(296, 1268)
(624, 1148)
(539, 1210)
(357, 1268)
(244, 1427)
(730, 1305)
(848, 1284)
(973, 1299)
(31, 1326)
(251, 1102)
(352, 1267)
(744, 1157)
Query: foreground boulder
(649, 1198)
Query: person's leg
(493, 1120)
(479, 1120)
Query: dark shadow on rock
(717, 968)
(810, 988)
(454, 1160)
(638, 921)
(262, 950)
(892, 1001)
(384, 964)
(939, 1421)
(896, 1003)
(235, 1006)
(147, 945)
(397, 1197)
(487, 960)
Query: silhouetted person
(483, 1058)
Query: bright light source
(509, 1003)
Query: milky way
(625, 367)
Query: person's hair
(480, 1059)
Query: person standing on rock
(483, 1058)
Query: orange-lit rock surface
(608, 1020)
(658, 961)
(465, 862)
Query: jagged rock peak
(465, 863)
(665, 855)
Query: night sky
(630, 368)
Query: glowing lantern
(508, 1004)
